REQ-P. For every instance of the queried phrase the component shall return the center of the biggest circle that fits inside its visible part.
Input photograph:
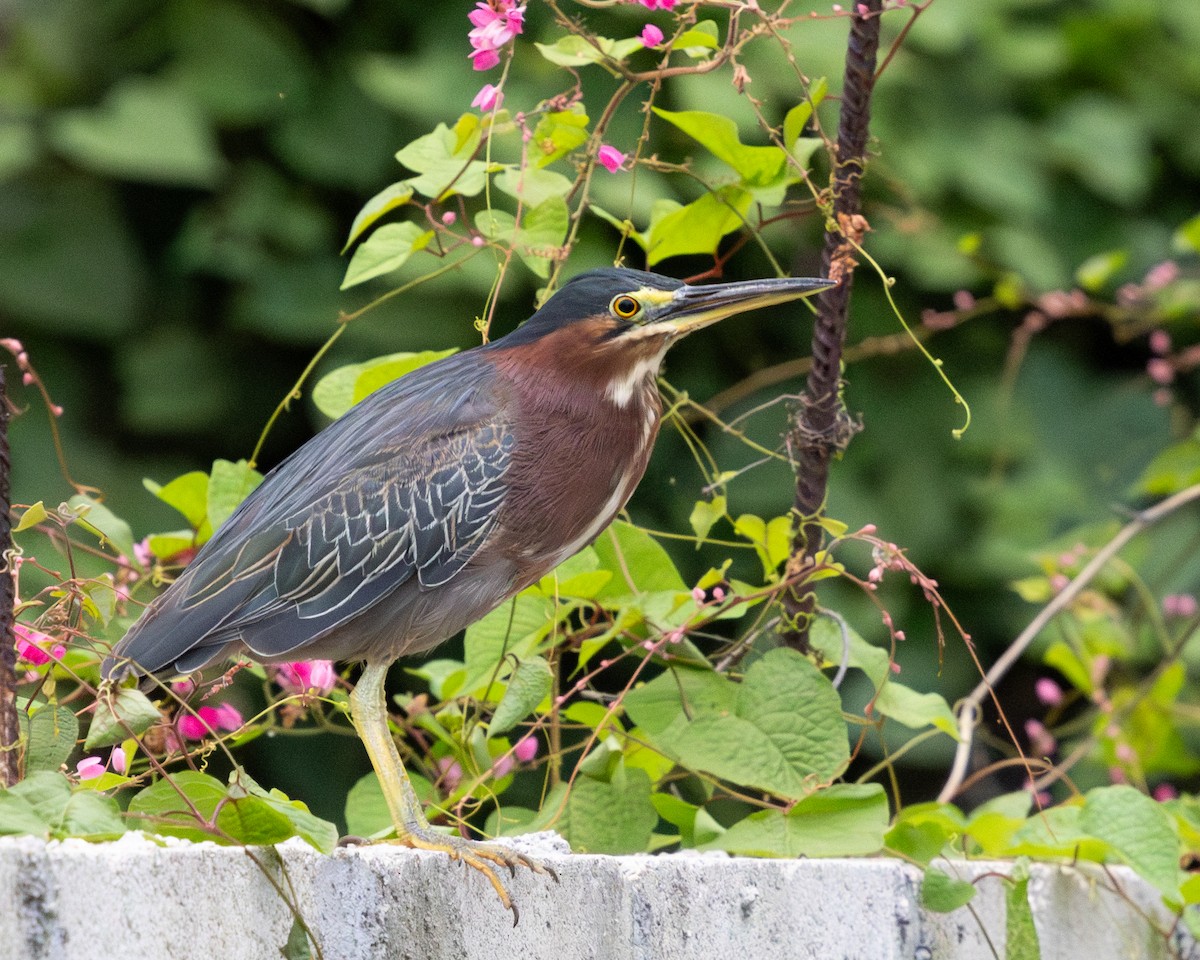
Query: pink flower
(495, 24)
(89, 768)
(208, 720)
(1041, 740)
(451, 773)
(120, 762)
(1049, 692)
(1160, 342)
(657, 4)
(610, 158)
(1161, 274)
(488, 98)
(142, 553)
(1164, 792)
(503, 765)
(964, 300)
(484, 59)
(32, 645)
(317, 676)
(1179, 605)
(526, 749)
(651, 35)
(1160, 370)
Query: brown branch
(820, 426)
(9, 729)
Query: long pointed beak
(691, 308)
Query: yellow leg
(368, 711)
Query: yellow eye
(625, 307)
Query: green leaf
(188, 494)
(43, 804)
(46, 794)
(97, 518)
(297, 946)
(386, 200)
(51, 734)
(613, 816)
(772, 541)
(942, 893)
(229, 485)
(560, 132)
(915, 710)
(825, 635)
(532, 186)
(127, 711)
(1138, 830)
(699, 42)
(31, 517)
(1096, 271)
(695, 824)
(1176, 468)
(319, 834)
(1187, 236)
(633, 555)
(443, 160)
(780, 729)
(1021, 941)
(496, 225)
(757, 166)
(797, 118)
(247, 813)
(144, 130)
(704, 515)
(542, 234)
(367, 813)
(385, 250)
(340, 389)
(90, 815)
(514, 628)
(919, 840)
(847, 819)
(19, 817)
(167, 545)
(573, 50)
(697, 227)
(528, 686)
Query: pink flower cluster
(35, 647)
(306, 676)
(495, 24)
(206, 720)
(657, 4)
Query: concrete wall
(136, 900)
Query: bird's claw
(478, 855)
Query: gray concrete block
(136, 899)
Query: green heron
(434, 500)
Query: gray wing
(407, 484)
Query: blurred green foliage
(177, 180)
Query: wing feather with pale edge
(406, 484)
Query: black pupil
(627, 306)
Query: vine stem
(820, 426)
(9, 728)
(969, 708)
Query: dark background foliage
(177, 178)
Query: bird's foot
(479, 855)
